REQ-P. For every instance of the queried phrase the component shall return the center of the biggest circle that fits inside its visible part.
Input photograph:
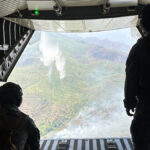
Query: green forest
(92, 74)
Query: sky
(120, 35)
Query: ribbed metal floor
(88, 144)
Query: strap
(12, 146)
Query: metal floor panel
(87, 144)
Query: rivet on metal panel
(9, 59)
(2, 73)
(14, 52)
(4, 66)
(8, 64)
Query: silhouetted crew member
(137, 86)
(16, 127)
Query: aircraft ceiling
(10, 6)
(92, 25)
(72, 15)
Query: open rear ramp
(89, 144)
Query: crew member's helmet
(10, 94)
(145, 18)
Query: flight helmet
(11, 93)
(145, 18)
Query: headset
(144, 14)
(140, 27)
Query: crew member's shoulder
(143, 40)
(138, 45)
(140, 41)
(28, 119)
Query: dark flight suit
(27, 135)
(137, 85)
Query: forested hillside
(62, 75)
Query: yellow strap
(13, 147)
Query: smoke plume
(51, 54)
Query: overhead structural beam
(14, 40)
(76, 13)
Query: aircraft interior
(20, 19)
